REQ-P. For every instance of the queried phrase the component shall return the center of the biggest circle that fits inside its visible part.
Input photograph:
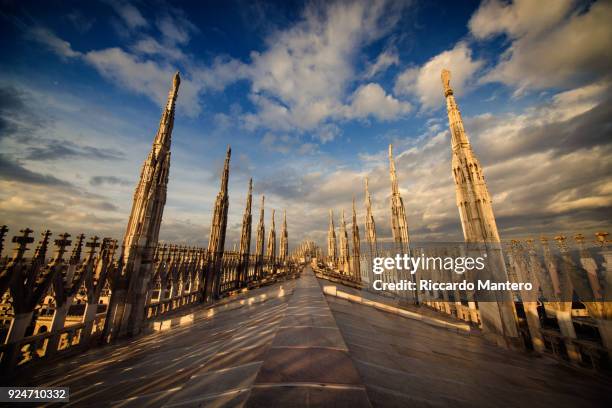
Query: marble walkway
(300, 348)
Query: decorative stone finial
(602, 238)
(22, 242)
(561, 242)
(61, 245)
(446, 75)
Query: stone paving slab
(404, 362)
(308, 364)
(306, 336)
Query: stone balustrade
(570, 315)
(51, 303)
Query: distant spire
(399, 223)
(225, 175)
(356, 245)
(271, 250)
(332, 249)
(261, 210)
(261, 232)
(218, 229)
(284, 239)
(369, 223)
(216, 243)
(392, 172)
(245, 237)
(344, 247)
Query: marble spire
(369, 223)
(332, 246)
(343, 261)
(216, 243)
(259, 242)
(142, 232)
(356, 246)
(284, 239)
(245, 235)
(399, 224)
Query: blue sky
(309, 95)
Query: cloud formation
(372, 100)
(303, 96)
(320, 51)
(545, 168)
(424, 81)
(553, 43)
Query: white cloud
(150, 46)
(521, 17)
(424, 82)
(327, 133)
(553, 44)
(302, 77)
(299, 82)
(285, 143)
(372, 100)
(175, 28)
(385, 59)
(129, 14)
(53, 42)
(142, 76)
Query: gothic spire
(150, 195)
(332, 249)
(271, 250)
(166, 122)
(216, 244)
(142, 232)
(392, 172)
(261, 230)
(344, 247)
(356, 245)
(245, 237)
(218, 229)
(458, 135)
(473, 199)
(369, 223)
(225, 175)
(478, 221)
(284, 239)
(399, 224)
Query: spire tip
(446, 75)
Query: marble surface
(300, 348)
